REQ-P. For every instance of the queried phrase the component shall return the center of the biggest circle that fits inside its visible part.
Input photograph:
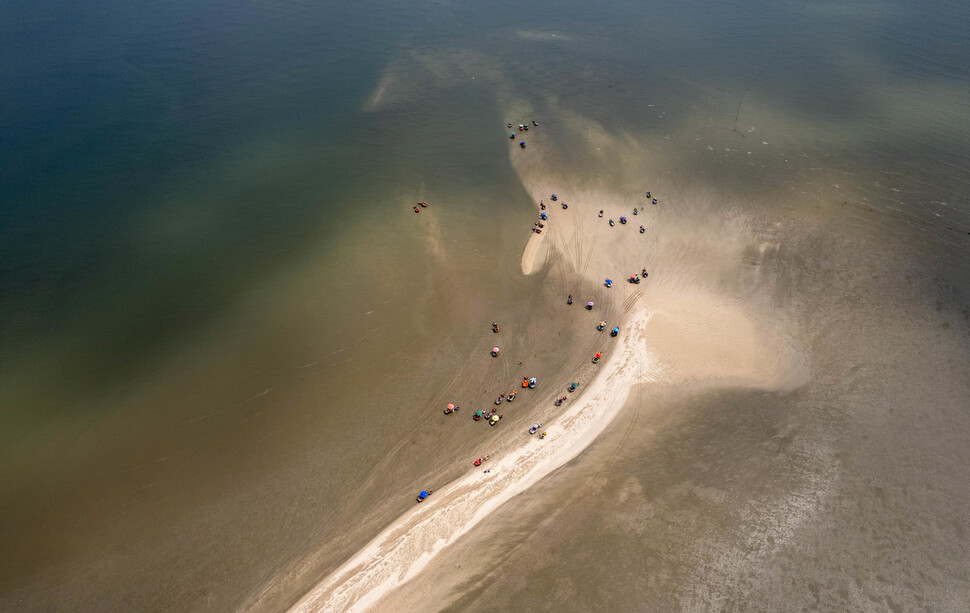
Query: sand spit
(528, 263)
(698, 334)
(405, 548)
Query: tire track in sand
(564, 250)
(630, 301)
(589, 254)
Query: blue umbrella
(423, 494)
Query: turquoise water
(203, 209)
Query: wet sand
(673, 331)
(403, 550)
(750, 474)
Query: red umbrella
(599, 355)
(451, 406)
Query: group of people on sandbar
(493, 416)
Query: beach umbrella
(478, 413)
(450, 406)
(494, 350)
(423, 494)
(494, 417)
(599, 355)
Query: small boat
(534, 428)
(642, 230)
(555, 197)
(655, 201)
(611, 223)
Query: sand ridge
(676, 328)
(404, 549)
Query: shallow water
(226, 336)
